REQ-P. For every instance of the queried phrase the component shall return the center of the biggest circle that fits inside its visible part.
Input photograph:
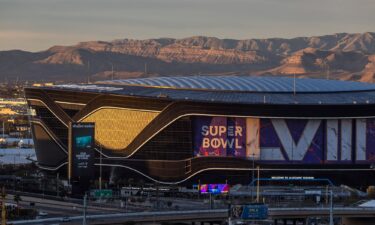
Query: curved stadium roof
(247, 84)
(238, 89)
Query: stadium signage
(220, 136)
(256, 211)
(81, 153)
(300, 140)
(213, 136)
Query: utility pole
(211, 201)
(331, 208)
(57, 184)
(100, 175)
(145, 68)
(199, 188)
(84, 209)
(258, 184)
(253, 176)
(3, 209)
(157, 196)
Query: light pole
(84, 222)
(253, 175)
(3, 209)
(331, 207)
(258, 184)
(100, 170)
(57, 184)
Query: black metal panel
(172, 143)
(54, 124)
(48, 153)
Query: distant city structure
(212, 129)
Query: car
(41, 213)
(65, 219)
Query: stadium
(213, 129)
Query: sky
(35, 25)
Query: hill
(338, 56)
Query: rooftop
(246, 84)
(236, 89)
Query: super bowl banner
(312, 141)
(219, 136)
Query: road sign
(104, 193)
(249, 212)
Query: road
(73, 208)
(206, 215)
(56, 208)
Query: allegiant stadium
(176, 130)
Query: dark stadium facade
(176, 130)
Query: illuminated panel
(219, 136)
(214, 188)
(210, 135)
(116, 128)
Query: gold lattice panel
(116, 128)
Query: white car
(41, 213)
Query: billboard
(307, 141)
(82, 155)
(249, 212)
(214, 188)
(219, 136)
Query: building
(209, 129)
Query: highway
(56, 208)
(204, 215)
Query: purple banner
(370, 140)
(236, 137)
(219, 136)
(306, 141)
(292, 140)
(210, 136)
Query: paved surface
(56, 208)
(205, 215)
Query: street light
(253, 175)
(84, 221)
(331, 207)
(100, 170)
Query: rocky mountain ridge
(338, 56)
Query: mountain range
(341, 56)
